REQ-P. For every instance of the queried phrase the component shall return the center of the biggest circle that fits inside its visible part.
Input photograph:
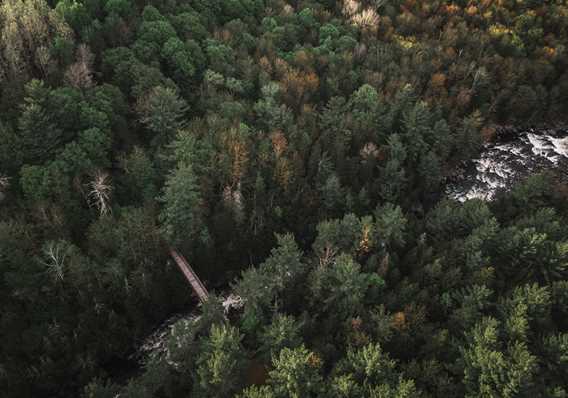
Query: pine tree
(39, 135)
(161, 111)
(493, 369)
(284, 331)
(182, 215)
(393, 176)
(220, 363)
(296, 374)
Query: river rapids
(516, 155)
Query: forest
(296, 153)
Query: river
(514, 156)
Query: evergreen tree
(296, 373)
(220, 363)
(183, 211)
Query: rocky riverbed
(515, 155)
(156, 344)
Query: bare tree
(80, 74)
(100, 189)
(55, 254)
(328, 256)
(363, 17)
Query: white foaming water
(560, 145)
(156, 344)
(502, 165)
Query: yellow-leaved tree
(29, 30)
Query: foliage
(296, 153)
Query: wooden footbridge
(190, 275)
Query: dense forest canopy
(296, 153)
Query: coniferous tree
(183, 212)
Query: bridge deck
(190, 275)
